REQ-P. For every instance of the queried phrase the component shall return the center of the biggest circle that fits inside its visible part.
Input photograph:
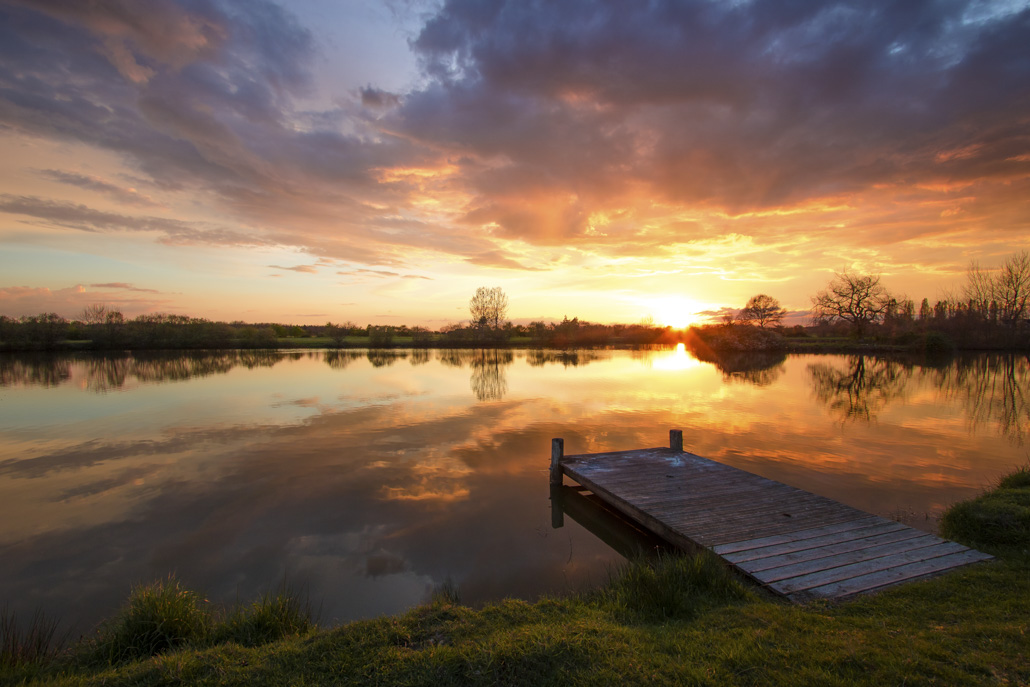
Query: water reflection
(758, 368)
(340, 359)
(375, 483)
(384, 357)
(862, 388)
(488, 381)
(565, 358)
(995, 390)
(103, 372)
(40, 369)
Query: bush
(380, 337)
(997, 521)
(934, 344)
(158, 617)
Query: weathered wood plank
(847, 572)
(928, 544)
(739, 547)
(756, 564)
(886, 578)
(791, 545)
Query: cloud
(125, 195)
(618, 129)
(18, 301)
(83, 218)
(123, 286)
(581, 107)
(306, 269)
(378, 100)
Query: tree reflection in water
(760, 369)
(488, 380)
(34, 370)
(574, 358)
(107, 372)
(384, 357)
(995, 389)
(862, 389)
(339, 360)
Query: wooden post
(557, 452)
(676, 439)
(557, 507)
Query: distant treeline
(939, 328)
(109, 330)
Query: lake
(371, 478)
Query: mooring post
(676, 439)
(557, 452)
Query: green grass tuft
(158, 617)
(671, 587)
(275, 616)
(997, 521)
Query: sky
(349, 160)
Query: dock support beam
(557, 453)
(676, 439)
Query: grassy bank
(677, 621)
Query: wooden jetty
(796, 544)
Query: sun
(675, 311)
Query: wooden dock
(797, 544)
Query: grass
(32, 644)
(678, 620)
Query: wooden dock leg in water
(676, 439)
(557, 452)
(557, 507)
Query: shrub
(934, 345)
(998, 520)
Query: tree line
(991, 312)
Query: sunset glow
(378, 161)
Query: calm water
(372, 477)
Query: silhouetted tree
(488, 307)
(336, 333)
(1005, 291)
(762, 310)
(853, 298)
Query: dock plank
(798, 544)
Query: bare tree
(1004, 293)
(762, 310)
(94, 314)
(488, 307)
(854, 298)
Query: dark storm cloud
(739, 105)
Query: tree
(336, 333)
(762, 310)
(94, 314)
(488, 307)
(854, 298)
(1002, 293)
